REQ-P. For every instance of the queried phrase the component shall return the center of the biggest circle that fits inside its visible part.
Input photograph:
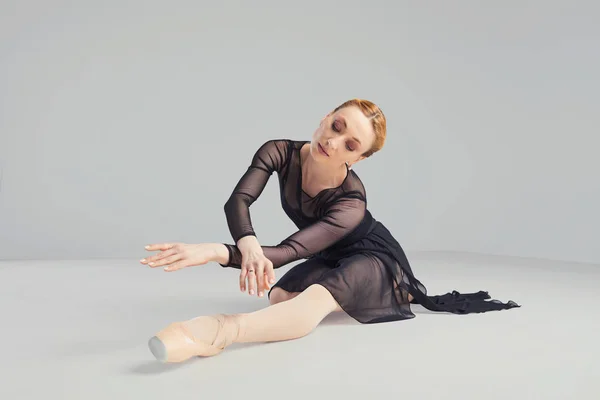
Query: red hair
(378, 121)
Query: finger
(260, 278)
(252, 280)
(268, 275)
(159, 246)
(158, 256)
(165, 261)
(268, 285)
(270, 272)
(176, 266)
(243, 275)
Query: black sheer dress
(345, 249)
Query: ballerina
(352, 263)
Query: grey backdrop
(128, 122)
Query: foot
(199, 337)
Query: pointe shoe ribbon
(183, 340)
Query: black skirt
(371, 279)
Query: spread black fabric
(343, 246)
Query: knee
(320, 294)
(279, 295)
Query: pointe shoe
(199, 337)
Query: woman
(353, 263)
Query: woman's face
(342, 137)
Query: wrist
(248, 243)
(221, 254)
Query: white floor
(79, 330)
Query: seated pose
(351, 262)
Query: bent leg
(299, 278)
(278, 295)
(209, 335)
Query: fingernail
(143, 260)
(147, 247)
(152, 263)
(251, 291)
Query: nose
(331, 143)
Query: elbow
(227, 205)
(237, 201)
(231, 204)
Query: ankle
(234, 327)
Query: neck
(322, 174)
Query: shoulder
(274, 153)
(353, 186)
(279, 145)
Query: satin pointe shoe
(204, 336)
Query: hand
(256, 269)
(180, 255)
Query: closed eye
(336, 127)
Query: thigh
(358, 276)
(367, 287)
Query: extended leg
(209, 335)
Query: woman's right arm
(269, 158)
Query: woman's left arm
(339, 220)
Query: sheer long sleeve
(269, 158)
(340, 219)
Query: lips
(323, 150)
